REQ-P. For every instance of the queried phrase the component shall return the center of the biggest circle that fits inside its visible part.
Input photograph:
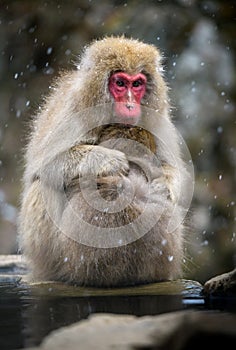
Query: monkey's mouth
(127, 113)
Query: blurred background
(197, 38)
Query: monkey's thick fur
(74, 137)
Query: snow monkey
(103, 173)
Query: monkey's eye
(120, 83)
(137, 83)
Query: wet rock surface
(222, 285)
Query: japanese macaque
(103, 181)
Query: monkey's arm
(159, 173)
(82, 161)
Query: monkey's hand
(100, 161)
(82, 161)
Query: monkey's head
(124, 72)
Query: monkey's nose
(130, 106)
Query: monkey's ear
(86, 62)
(160, 64)
(86, 59)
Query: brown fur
(69, 142)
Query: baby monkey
(103, 174)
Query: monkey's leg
(36, 233)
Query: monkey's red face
(127, 91)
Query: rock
(175, 330)
(12, 268)
(222, 285)
(181, 287)
(13, 263)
